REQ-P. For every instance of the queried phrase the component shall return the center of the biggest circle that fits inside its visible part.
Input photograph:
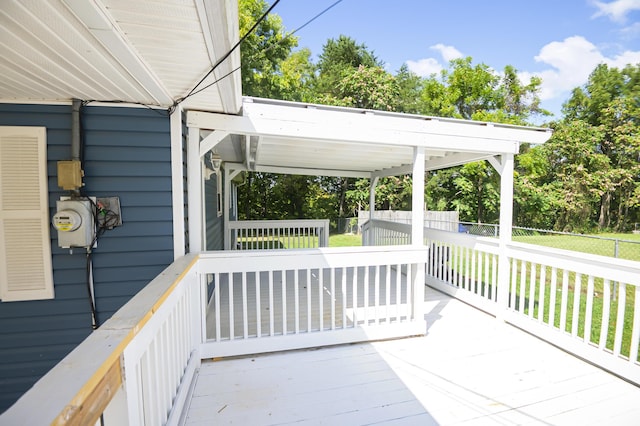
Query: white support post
(417, 198)
(195, 187)
(506, 222)
(417, 231)
(372, 196)
(177, 182)
(225, 208)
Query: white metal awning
(296, 138)
(139, 51)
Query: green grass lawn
(345, 240)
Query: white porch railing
(138, 367)
(135, 369)
(561, 296)
(268, 301)
(377, 232)
(277, 234)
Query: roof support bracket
(497, 164)
(210, 142)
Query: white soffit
(142, 51)
(302, 137)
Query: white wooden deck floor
(468, 369)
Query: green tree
(610, 102)
(263, 51)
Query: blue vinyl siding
(127, 154)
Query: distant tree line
(585, 178)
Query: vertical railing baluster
(523, 285)
(398, 292)
(320, 299)
(231, 313)
(622, 302)
(216, 295)
(577, 289)
(588, 316)
(387, 294)
(514, 284)
(296, 296)
(283, 277)
(606, 312)
(258, 286)
(532, 289)
(272, 327)
(541, 292)
(635, 329)
(308, 300)
(552, 296)
(245, 310)
(564, 300)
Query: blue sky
(559, 40)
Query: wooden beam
(89, 404)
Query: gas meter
(75, 223)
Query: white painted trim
(495, 162)
(417, 198)
(195, 187)
(177, 182)
(372, 196)
(210, 142)
(506, 223)
(347, 129)
(225, 209)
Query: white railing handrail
(324, 257)
(269, 224)
(77, 390)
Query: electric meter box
(75, 223)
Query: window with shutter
(25, 250)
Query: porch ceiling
(295, 138)
(142, 51)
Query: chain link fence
(623, 248)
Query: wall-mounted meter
(75, 223)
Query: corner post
(506, 225)
(195, 191)
(417, 231)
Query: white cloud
(428, 66)
(571, 61)
(448, 52)
(425, 67)
(616, 10)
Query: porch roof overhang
(142, 51)
(298, 138)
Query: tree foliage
(586, 177)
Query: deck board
(468, 369)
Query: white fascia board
(219, 36)
(312, 172)
(95, 17)
(405, 123)
(356, 131)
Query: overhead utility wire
(226, 55)
(195, 92)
